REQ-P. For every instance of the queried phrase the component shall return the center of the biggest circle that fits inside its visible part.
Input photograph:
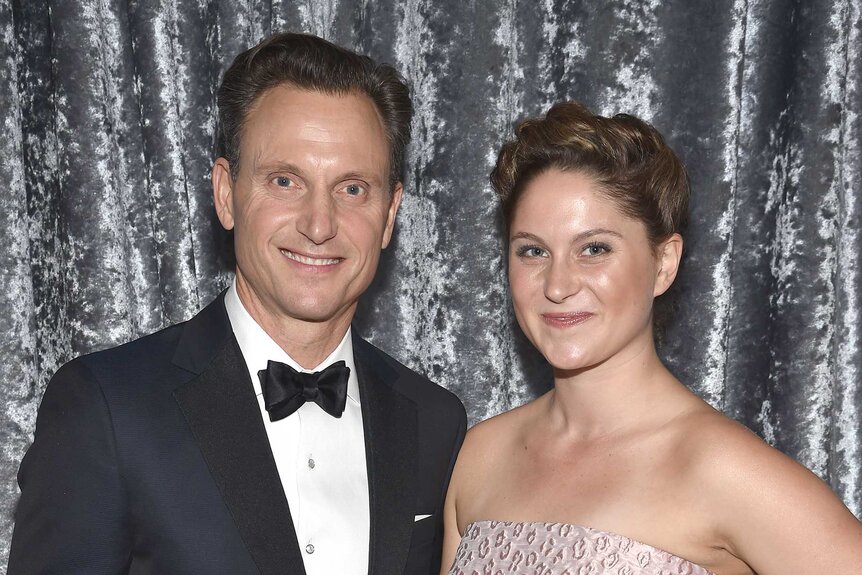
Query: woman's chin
(568, 366)
(568, 371)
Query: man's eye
(282, 181)
(353, 189)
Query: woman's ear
(669, 254)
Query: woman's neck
(627, 391)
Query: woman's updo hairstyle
(628, 159)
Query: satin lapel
(389, 422)
(223, 414)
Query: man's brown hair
(311, 63)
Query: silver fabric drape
(108, 230)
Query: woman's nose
(561, 281)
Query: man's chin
(315, 312)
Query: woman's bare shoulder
(707, 433)
(496, 433)
(724, 454)
(764, 506)
(716, 445)
(488, 446)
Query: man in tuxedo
(263, 436)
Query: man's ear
(669, 255)
(223, 192)
(394, 203)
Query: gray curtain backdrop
(107, 229)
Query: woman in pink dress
(619, 469)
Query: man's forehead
(306, 117)
(305, 104)
(314, 151)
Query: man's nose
(561, 281)
(317, 221)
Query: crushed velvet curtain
(108, 232)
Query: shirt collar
(258, 347)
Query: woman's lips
(566, 319)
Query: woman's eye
(530, 252)
(596, 250)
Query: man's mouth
(308, 260)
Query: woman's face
(583, 275)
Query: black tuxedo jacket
(152, 458)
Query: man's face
(310, 207)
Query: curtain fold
(108, 230)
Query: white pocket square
(420, 517)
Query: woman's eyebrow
(581, 236)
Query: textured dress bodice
(501, 547)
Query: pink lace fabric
(501, 548)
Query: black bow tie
(285, 389)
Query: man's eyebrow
(269, 167)
(354, 175)
(273, 167)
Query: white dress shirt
(320, 458)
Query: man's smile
(308, 260)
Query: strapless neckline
(559, 546)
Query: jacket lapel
(223, 415)
(390, 426)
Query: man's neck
(307, 342)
